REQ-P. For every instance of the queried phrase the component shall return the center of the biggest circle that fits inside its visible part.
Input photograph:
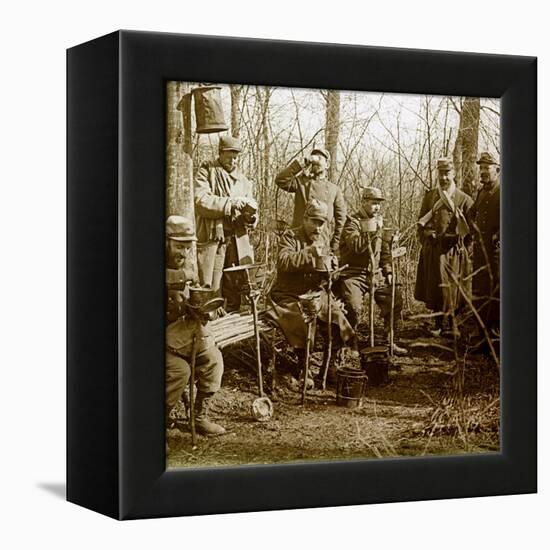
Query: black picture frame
(116, 104)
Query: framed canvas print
(298, 275)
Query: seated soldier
(183, 325)
(363, 242)
(297, 275)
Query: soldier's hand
(175, 305)
(250, 206)
(237, 204)
(429, 234)
(389, 278)
(316, 250)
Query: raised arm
(288, 179)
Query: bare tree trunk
(179, 162)
(428, 129)
(266, 147)
(400, 177)
(235, 116)
(332, 130)
(466, 144)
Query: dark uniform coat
(356, 279)
(293, 180)
(296, 275)
(485, 218)
(442, 249)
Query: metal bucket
(350, 387)
(209, 110)
(323, 263)
(369, 225)
(203, 299)
(375, 363)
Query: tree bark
(466, 145)
(266, 148)
(179, 162)
(332, 131)
(235, 116)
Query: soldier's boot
(203, 425)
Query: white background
(33, 38)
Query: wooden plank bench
(235, 327)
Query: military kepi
(179, 228)
(372, 194)
(317, 210)
(229, 143)
(486, 158)
(322, 152)
(444, 164)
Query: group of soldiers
(460, 257)
(453, 229)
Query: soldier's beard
(178, 261)
(316, 170)
(228, 166)
(369, 214)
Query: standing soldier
(308, 180)
(485, 218)
(224, 209)
(183, 325)
(442, 228)
(363, 233)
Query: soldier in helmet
(362, 236)
(308, 180)
(183, 324)
(224, 207)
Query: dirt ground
(425, 409)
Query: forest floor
(427, 408)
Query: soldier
(485, 219)
(183, 324)
(442, 228)
(363, 233)
(225, 212)
(296, 275)
(307, 180)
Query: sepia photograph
(332, 275)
